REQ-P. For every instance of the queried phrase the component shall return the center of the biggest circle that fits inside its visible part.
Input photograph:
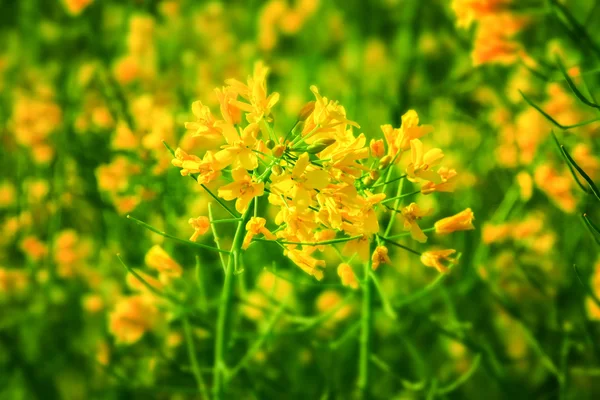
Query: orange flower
(463, 221)
(437, 258)
(34, 248)
(380, 256)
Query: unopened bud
(367, 180)
(270, 144)
(320, 145)
(278, 150)
(306, 111)
(374, 175)
(385, 161)
(377, 148)
(277, 170)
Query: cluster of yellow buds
(327, 185)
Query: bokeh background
(88, 91)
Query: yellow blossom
(243, 188)
(411, 214)
(463, 221)
(299, 183)
(255, 92)
(158, 259)
(205, 124)
(201, 225)
(380, 256)
(239, 150)
(421, 162)
(132, 317)
(256, 226)
(207, 168)
(347, 275)
(438, 259)
(447, 182)
(306, 262)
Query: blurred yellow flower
(380, 256)
(438, 259)
(347, 275)
(463, 221)
(132, 317)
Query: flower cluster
(326, 184)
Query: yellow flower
(255, 92)
(132, 317)
(347, 275)
(207, 169)
(255, 226)
(231, 114)
(437, 259)
(447, 182)
(300, 183)
(158, 259)
(238, 152)
(463, 221)
(200, 225)
(398, 139)
(411, 214)
(380, 256)
(306, 262)
(243, 188)
(205, 124)
(421, 162)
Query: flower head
(256, 226)
(201, 225)
(438, 259)
(243, 189)
(380, 256)
(463, 221)
(347, 275)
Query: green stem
(175, 238)
(193, 360)
(225, 310)
(366, 331)
(215, 235)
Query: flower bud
(306, 111)
(377, 148)
(270, 144)
(320, 145)
(385, 162)
(278, 150)
(277, 170)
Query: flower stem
(365, 331)
(225, 310)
